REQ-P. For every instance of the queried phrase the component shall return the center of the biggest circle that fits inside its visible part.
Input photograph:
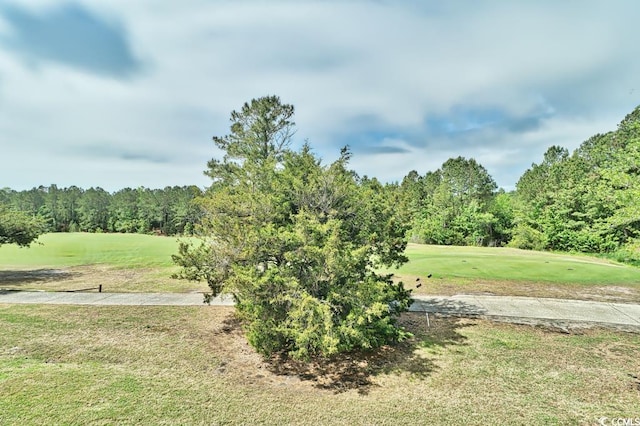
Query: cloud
(70, 35)
(465, 125)
(406, 84)
(107, 151)
(386, 149)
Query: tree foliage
(168, 211)
(587, 201)
(297, 243)
(455, 205)
(19, 228)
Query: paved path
(557, 312)
(534, 310)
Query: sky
(120, 93)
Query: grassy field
(504, 271)
(71, 261)
(126, 251)
(140, 263)
(177, 365)
(191, 365)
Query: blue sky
(125, 93)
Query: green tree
(502, 209)
(587, 201)
(93, 210)
(185, 210)
(297, 243)
(454, 205)
(123, 212)
(19, 228)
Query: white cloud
(357, 67)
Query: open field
(170, 365)
(77, 249)
(72, 261)
(191, 365)
(503, 271)
(142, 263)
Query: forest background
(584, 201)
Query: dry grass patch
(451, 287)
(112, 279)
(191, 365)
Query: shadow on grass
(447, 307)
(357, 370)
(36, 276)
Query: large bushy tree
(454, 205)
(297, 243)
(19, 228)
(587, 201)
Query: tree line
(168, 211)
(585, 201)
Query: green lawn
(517, 272)
(190, 365)
(78, 249)
(485, 263)
(74, 261)
(133, 262)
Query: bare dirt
(346, 372)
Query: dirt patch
(362, 372)
(91, 276)
(614, 289)
(33, 276)
(352, 371)
(564, 327)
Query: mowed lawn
(75, 261)
(190, 365)
(505, 271)
(78, 249)
(142, 263)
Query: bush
(527, 238)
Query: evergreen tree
(297, 243)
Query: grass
(177, 365)
(504, 271)
(125, 251)
(191, 365)
(142, 263)
(72, 261)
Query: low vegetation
(296, 243)
(190, 365)
(513, 272)
(142, 263)
(75, 261)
